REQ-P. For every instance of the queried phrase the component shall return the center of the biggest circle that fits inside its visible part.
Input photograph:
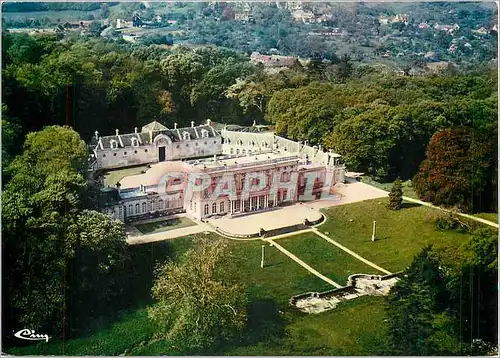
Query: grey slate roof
(145, 138)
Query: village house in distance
(215, 150)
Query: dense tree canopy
(458, 169)
(47, 235)
(194, 310)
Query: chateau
(210, 170)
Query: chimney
(306, 142)
(192, 124)
(117, 132)
(209, 122)
(96, 135)
(215, 158)
(135, 130)
(175, 125)
(254, 124)
(320, 148)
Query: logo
(29, 334)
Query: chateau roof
(149, 133)
(153, 127)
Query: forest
(380, 122)
(438, 130)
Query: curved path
(484, 221)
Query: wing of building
(211, 169)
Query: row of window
(124, 153)
(158, 205)
(250, 143)
(214, 208)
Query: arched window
(222, 207)
(243, 151)
(240, 142)
(232, 150)
(114, 144)
(186, 136)
(143, 207)
(130, 209)
(214, 208)
(137, 208)
(204, 133)
(206, 209)
(161, 204)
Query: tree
(396, 195)
(457, 169)
(474, 291)
(46, 235)
(416, 309)
(195, 310)
(310, 116)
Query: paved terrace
(251, 223)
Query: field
(488, 216)
(325, 257)
(164, 225)
(407, 188)
(400, 234)
(355, 327)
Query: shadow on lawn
(409, 205)
(265, 324)
(132, 285)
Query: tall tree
(458, 165)
(44, 231)
(195, 310)
(418, 323)
(396, 195)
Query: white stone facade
(244, 171)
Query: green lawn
(400, 234)
(488, 216)
(325, 257)
(164, 225)
(280, 278)
(114, 176)
(407, 186)
(355, 327)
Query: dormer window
(204, 133)
(186, 136)
(135, 142)
(114, 144)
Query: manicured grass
(400, 234)
(114, 176)
(407, 186)
(280, 278)
(488, 216)
(129, 328)
(355, 327)
(164, 225)
(325, 257)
